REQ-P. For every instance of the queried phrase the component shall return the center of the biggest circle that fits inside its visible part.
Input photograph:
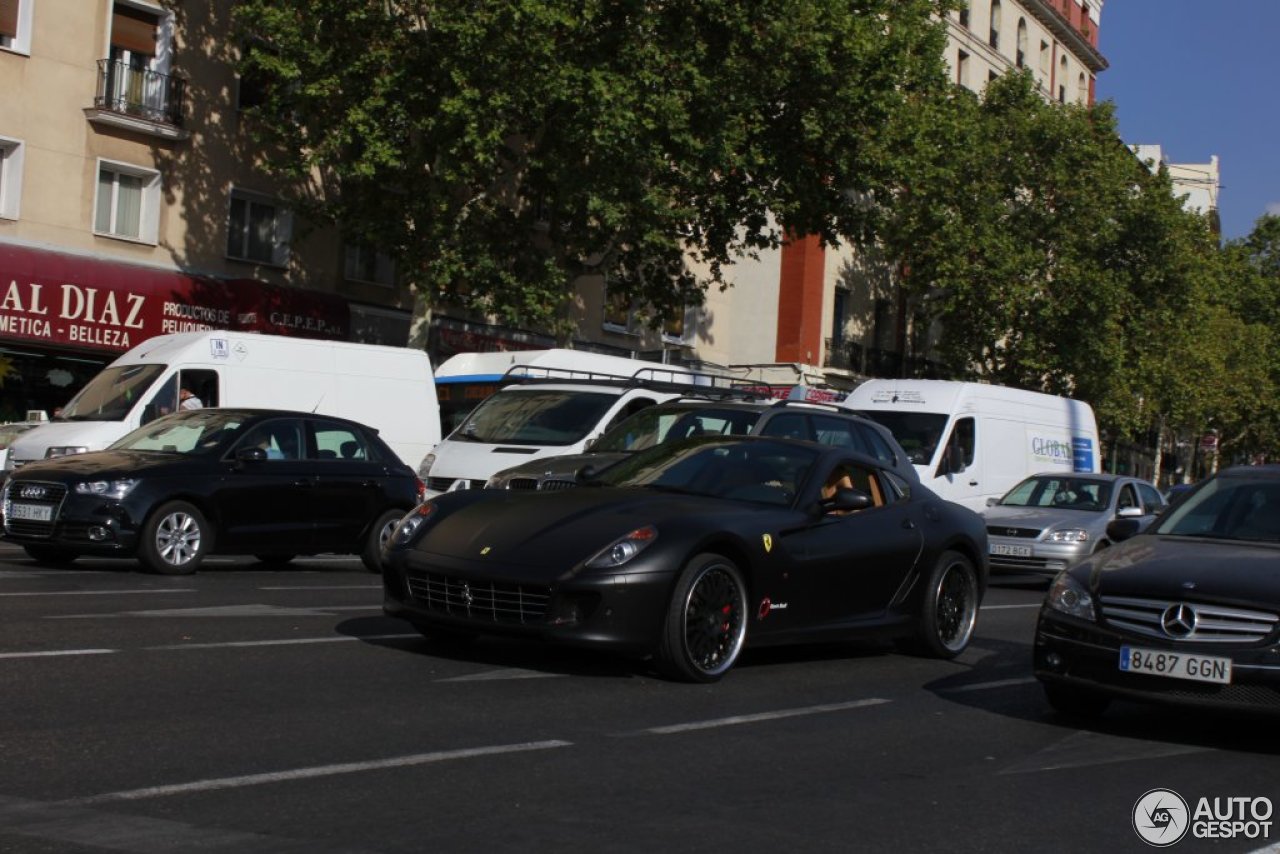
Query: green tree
(500, 150)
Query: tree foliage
(499, 150)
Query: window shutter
(9, 18)
(133, 30)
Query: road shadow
(1010, 690)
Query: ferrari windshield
(194, 432)
(1228, 508)
(762, 471)
(518, 416)
(917, 432)
(111, 394)
(659, 424)
(1058, 491)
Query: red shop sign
(55, 298)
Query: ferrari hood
(1176, 568)
(556, 530)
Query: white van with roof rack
(542, 411)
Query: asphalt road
(249, 709)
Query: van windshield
(541, 417)
(917, 432)
(659, 424)
(111, 394)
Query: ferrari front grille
(480, 600)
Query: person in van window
(188, 400)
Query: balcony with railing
(139, 99)
(875, 362)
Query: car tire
(50, 555)
(378, 535)
(949, 611)
(1075, 702)
(706, 622)
(274, 560)
(175, 539)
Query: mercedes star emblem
(1178, 621)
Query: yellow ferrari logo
(485, 550)
(768, 543)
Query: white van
(387, 388)
(972, 441)
(543, 410)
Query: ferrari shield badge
(768, 543)
(485, 550)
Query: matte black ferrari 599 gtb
(1188, 612)
(689, 551)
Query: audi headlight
(411, 524)
(624, 549)
(64, 451)
(116, 489)
(1069, 535)
(1068, 596)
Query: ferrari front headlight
(623, 549)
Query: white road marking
(313, 772)
(246, 610)
(764, 716)
(281, 642)
(983, 686)
(121, 592)
(57, 652)
(506, 673)
(1007, 607)
(329, 587)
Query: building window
(962, 69)
(15, 25)
(964, 15)
(128, 202)
(11, 151)
(364, 263)
(1020, 58)
(673, 325)
(618, 315)
(258, 229)
(1062, 80)
(1044, 61)
(1082, 89)
(994, 38)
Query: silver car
(1051, 520)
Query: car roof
(263, 414)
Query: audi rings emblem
(1178, 621)
(32, 491)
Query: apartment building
(130, 205)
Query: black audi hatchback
(269, 483)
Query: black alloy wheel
(706, 623)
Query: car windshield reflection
(765, 472)
(1060, 493)
(1228, 508)
(197, 432)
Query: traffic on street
(254, 708)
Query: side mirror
(846, 501)
(992, 502)
(586, 473)
(251, 455)
(1129, 512)
(1123, 529)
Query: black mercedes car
(689, 550)
(1188, 612)
(232, 481)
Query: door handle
(307, 482)
(973, 483)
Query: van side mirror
(1123, 529)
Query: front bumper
(622, 611)
(1086, 655)
(83, 524)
